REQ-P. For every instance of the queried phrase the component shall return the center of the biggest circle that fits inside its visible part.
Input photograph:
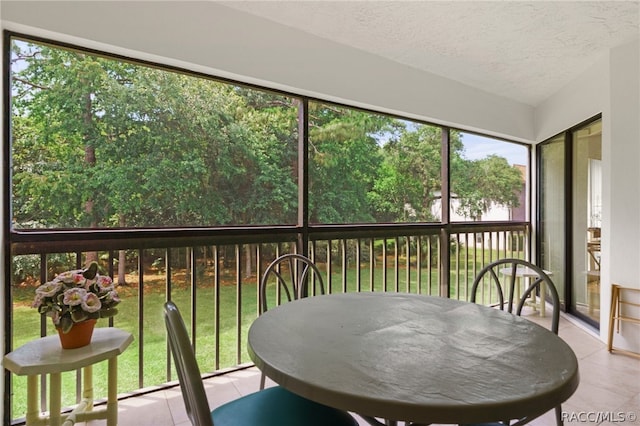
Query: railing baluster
(372, 261)
(384, 264)
(167, 280)
(419, 264)
(140, 318)
(329, 269)
(216, 302)
(396, 264)
(192, 285)
(430, 249)
(343, 244)
(258, 274)
(408, 263)
(358, 266)
(457, 240)
(238, 303)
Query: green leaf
(106, 313)
(79, 315)
(65, 324)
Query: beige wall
(610, 87)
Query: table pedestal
(537, 303)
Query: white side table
(525, 272)
(46, 356)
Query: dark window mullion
(303, 176)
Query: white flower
(74, 296)
(91, 303)
(48, 289)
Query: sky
(476, 147)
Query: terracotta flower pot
(79, 335)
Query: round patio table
(414, 358)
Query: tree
(409, 180)
(343, 159)
(56, 184)
(138, 146)
(481, 183)
(106, 143)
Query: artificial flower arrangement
(76, 296)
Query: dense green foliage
(103, 143)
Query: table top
(413, 358)
(46, 356)
(524, 271)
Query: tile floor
(609, 384)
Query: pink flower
(72, 277)
(91, 302)
(66, 277)
(105, 283)
(74, 296)
(48, 289)
(78, 279)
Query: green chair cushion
(277, 406)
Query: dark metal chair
(270, 407)
(294, 274)
(502, 276)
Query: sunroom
(400, 145)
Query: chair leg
(559, 421)
(262, 380)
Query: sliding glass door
(586, 219)
(569, 216)
(552, 211)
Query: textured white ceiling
(523, 51)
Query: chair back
(502, 275)
(294, 275)
(193, 393)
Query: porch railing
(215, 283)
